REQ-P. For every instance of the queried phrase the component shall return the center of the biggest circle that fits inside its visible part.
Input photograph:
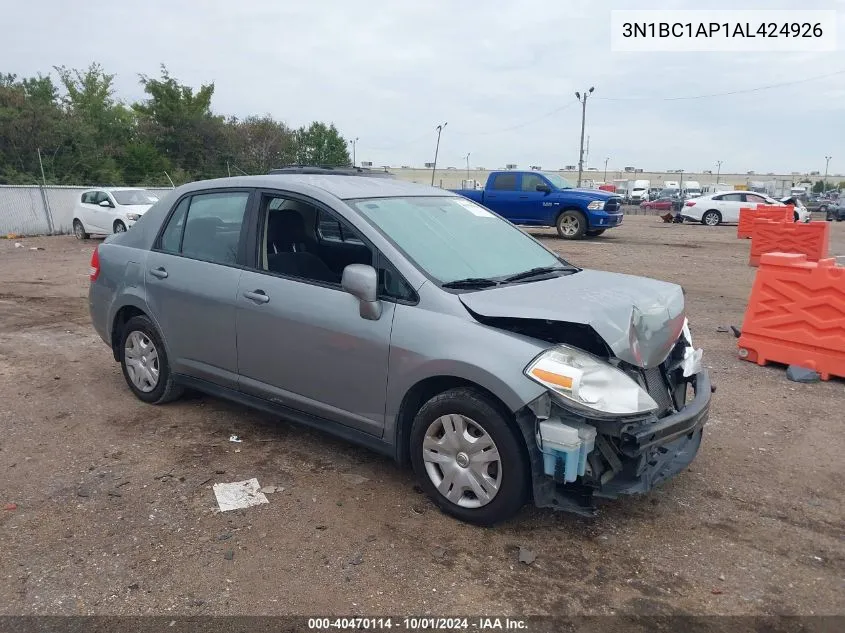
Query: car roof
(342, 187)
(114, 189)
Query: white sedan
(109, 210)
(717, 208)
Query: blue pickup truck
(537, 198)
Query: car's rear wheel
(119, 227)
(144, 362)
(711, 218)
(823, 209)
(595, 232)
(469, 458)
(79, 230)
(571, 225)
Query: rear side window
(87, 197)
(504, 182)
(207, 227)
(731, 197)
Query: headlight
(596, 205)
(133, 216)
(589, 382)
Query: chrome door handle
(158, 272)
(258, 296)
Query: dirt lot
(115, 512)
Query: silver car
(414, 322)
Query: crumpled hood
(640, 319)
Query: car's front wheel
(711, 218)
(571, 225)
(144, 362)
(119, 227)
(469, 458)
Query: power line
(725, 94)
(518, 125)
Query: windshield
(452, 238)
(134, 196)
(558, 181)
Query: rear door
(502, 195)
(86, 209)
(729, 204)
(191, 282)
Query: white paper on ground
(239, 494)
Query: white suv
(113, 210)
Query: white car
(718, 208)
(109, 210)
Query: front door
(729, 206)
(191, 281)
(301, 340)
(536, 207)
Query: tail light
(690, 204)
(94, 269)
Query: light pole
(718, 170)
(605, 169)
(467, 157)
(583, 119)
(436, 150)
(353, 142)
(826, 163)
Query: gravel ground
(115, 513)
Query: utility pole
(583, 119)
(826, 163)
(467, 157)
(437, 150)
(718, 170)
(605, 169)
(354, 142)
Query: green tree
(319, 144)
(257, 144)
(29, 120)
(182, 126)
(818, 187)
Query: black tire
(712, 213)
(823, 209)
(79, 230)
(166, 389)
(795, 216)
(515, 478)
(594, 232)
(571, 218)
(119, 227)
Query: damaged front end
(578, 454)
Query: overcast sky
(502, 74)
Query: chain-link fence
(36, 210)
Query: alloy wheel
(569, 225)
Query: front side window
(530, 182)
(451, 238)
(558, 181)
(207, 227)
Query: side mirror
(544, 188)
(105, 203)
(361, 281)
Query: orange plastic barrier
(796, 314)
(747, 215)
(746, 222)
(809, 239)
